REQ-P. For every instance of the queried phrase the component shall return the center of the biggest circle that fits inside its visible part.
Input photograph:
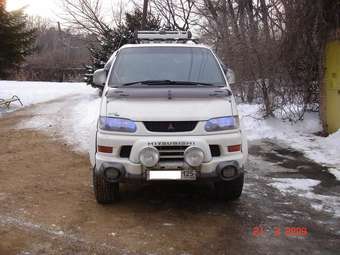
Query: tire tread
(105, 192)
(230, 190)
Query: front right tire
(105, 192)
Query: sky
(45, 8)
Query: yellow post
(332, 86)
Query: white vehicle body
(168, 106)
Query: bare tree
(177, 14)
(118, 11)
(86, 15)
(246, 40)
(273, 44)
(67, 49)
(145, 13)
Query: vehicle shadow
(186, 196)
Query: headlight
(149, 156)
(224, 123)
(194, 156)
(117, 124)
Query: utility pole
(145, 13)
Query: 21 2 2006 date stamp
(259, 231)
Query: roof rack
(164, 36)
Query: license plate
(171, 175)
(189, 175)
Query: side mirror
(99, 77)
(230, 76)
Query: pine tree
(113, 39)
(16, 40)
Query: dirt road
(47, 206)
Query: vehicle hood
(168, 105)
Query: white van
(167, 114)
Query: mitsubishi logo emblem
(171, 127)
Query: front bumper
(215, 175)
(133, 170)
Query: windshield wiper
(147, 82)
(167, 82)
(192, 83)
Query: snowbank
(83, 119)
(71, 118)
(299, 136)
(39, 92)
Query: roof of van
(188, 45)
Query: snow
(300, 136)
(39, 92)
(71, 119)
(305, 188)
(289, 185)
(84, 118)
(335, 172)
(330, 204)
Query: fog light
(228, 172)
(149, 156)
(194, 156)
(112, 174)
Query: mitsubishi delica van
(167, 114)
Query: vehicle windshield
(186, 64)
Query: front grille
(125, 151)
(170, 126)
(215, 150)
(171, 153)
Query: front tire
(230, 190)
(105, 192)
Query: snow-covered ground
(304, 188)
(39, 92)
(71, 118)
(300, 136)
(78, 117)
